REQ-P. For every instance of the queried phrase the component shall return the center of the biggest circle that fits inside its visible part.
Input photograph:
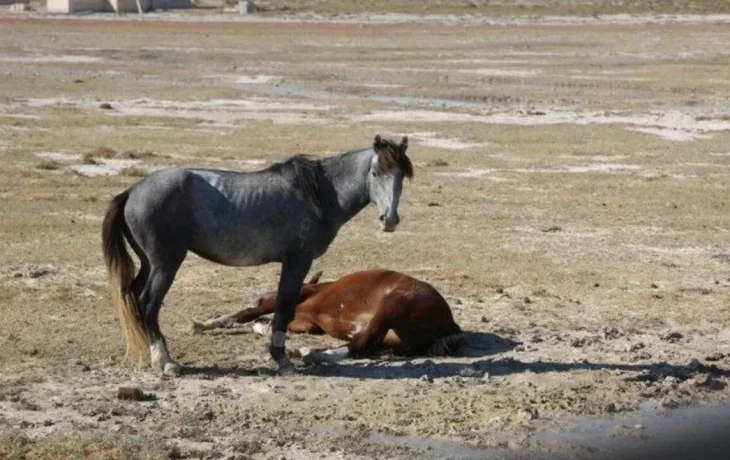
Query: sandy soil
(570, 201)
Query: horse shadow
(508, 366)
(476, 345)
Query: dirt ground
(571, 201)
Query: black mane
(305, 175)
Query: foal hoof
(197, 327)
(172, 370)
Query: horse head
(389, 167)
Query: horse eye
(375, 174)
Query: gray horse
(287, 213)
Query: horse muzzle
(388, 224)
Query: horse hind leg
(367, 342)
(156, 287)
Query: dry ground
(570, 200)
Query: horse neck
(348, 175)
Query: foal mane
(305, 175)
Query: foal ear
(315, 278)
(404, 143)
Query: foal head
(385, 179)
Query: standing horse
(370, 310)
(287, 213)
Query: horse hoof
(172, 370)
(197, 327)
(286, 368)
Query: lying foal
(370, 310)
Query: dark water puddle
(678, 433)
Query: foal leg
(365, 343)
(293, 271)
(241, 317)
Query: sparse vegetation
(133, 171)
(137, 155)
(437, 163)
(89, 159)
(49, 165)
(15, 444)
(102, 152)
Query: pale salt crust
(394, 18)
(432, 139)
(670, 125)
(105, 166)
(502, 72)
(573, 169)
(50, 59)
(216, 110)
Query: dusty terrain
(571, 201)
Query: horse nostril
(382, 217)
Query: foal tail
(120, 268)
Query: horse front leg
(293, 271)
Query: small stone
(716, 356)
(639, 426)
(529, 414)
(595, 285)
(426, 378)
(106, 106)
(130, 394)
(528, 300)
(654, 286)
(485, 319)
(611, 408)
(694, 365)
(672, 337)
(636, 346)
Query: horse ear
(378, 142)
(315, 278)
(404, 143)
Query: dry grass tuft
(137, 155)
(89, 159)
(49, 165)
(102, 152)
(133, 171)
(438, 163)
(14, 444)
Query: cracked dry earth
(570, 201)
